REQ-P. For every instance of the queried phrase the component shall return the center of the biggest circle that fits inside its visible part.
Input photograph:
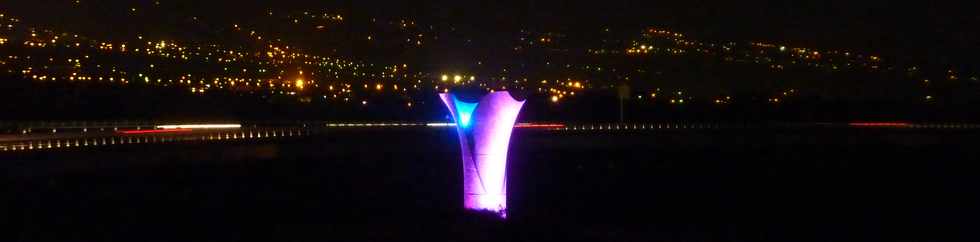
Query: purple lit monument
(484, 131)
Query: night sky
(925, 28)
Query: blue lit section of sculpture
(484, 130)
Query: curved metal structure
(484, 130)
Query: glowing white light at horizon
(441, 124)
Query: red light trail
(879, 124)
(539, 126)
(153, 131)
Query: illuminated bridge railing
(653, 126)
(63, 139)
(54, 142)
(667, 126)
(29, 127)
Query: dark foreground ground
(735, 185)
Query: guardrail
(49, 142)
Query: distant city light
(265, 69)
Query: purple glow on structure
(484, 139)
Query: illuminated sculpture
(484, 133)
